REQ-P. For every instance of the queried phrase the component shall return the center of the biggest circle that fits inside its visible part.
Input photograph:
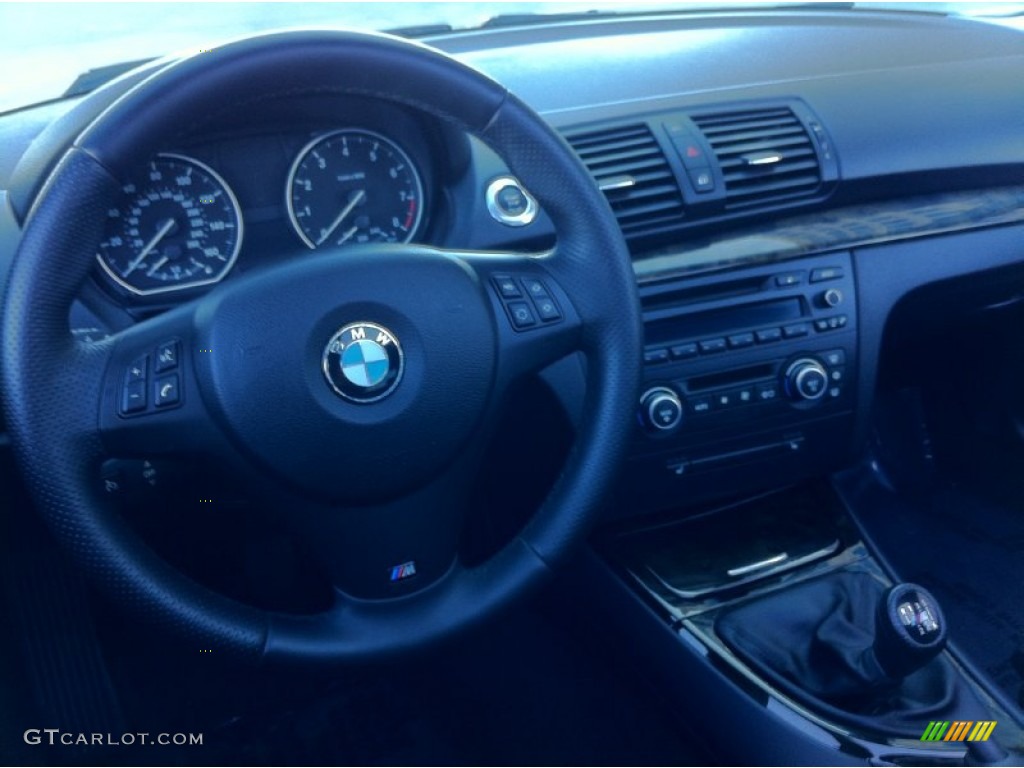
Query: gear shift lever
(910, 630)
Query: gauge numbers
(354, 186)
(179, 226)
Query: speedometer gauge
(179, 226)
(354, 186)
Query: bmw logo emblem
(363, 362)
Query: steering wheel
(361, 385)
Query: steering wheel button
(507, 288)
(535, 288)
(547, 310)
(167, 356)
(521, 314)
(133, 397)
(137, 370)
(166, 391)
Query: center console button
(740, 340)
(766, 335)
(698, 405)
(710, 346)
(652, 356)
(684, 351)
(834, 357)
(766, 392)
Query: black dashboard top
(894, 106)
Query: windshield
(48, 46)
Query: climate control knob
(661, 410)
(806, 380)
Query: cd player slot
(712, 322)
(728, 378)
(681, 297)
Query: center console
(751, 367)
(769, 619)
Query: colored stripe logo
(958, 730)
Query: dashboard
(783, 180)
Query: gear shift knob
(910, 630)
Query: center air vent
(630, 168)
(765, 155)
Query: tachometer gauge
(179, 227)
(354, 186)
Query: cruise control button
(710, 346)
(167, 356)
(166, 391)
(547, 310)
(522, 315)
(768, 334)
(133, 397)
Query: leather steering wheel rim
(48, 375)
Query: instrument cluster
(185, 218)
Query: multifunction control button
(527, 301)
(144, 388)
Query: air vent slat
(792, 155)
(632, 197)
(720, 138)
(648, 170)
(636, 155)
(734, 118)
(734, 150)
(779, 185)
(765, 155)
(743, 174)
(643, 193)
(612, 146)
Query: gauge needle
(160, 234)
(157, 266)
(356, 199)
(347, 235)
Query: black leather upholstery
(815, 642)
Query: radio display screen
(745, 316)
